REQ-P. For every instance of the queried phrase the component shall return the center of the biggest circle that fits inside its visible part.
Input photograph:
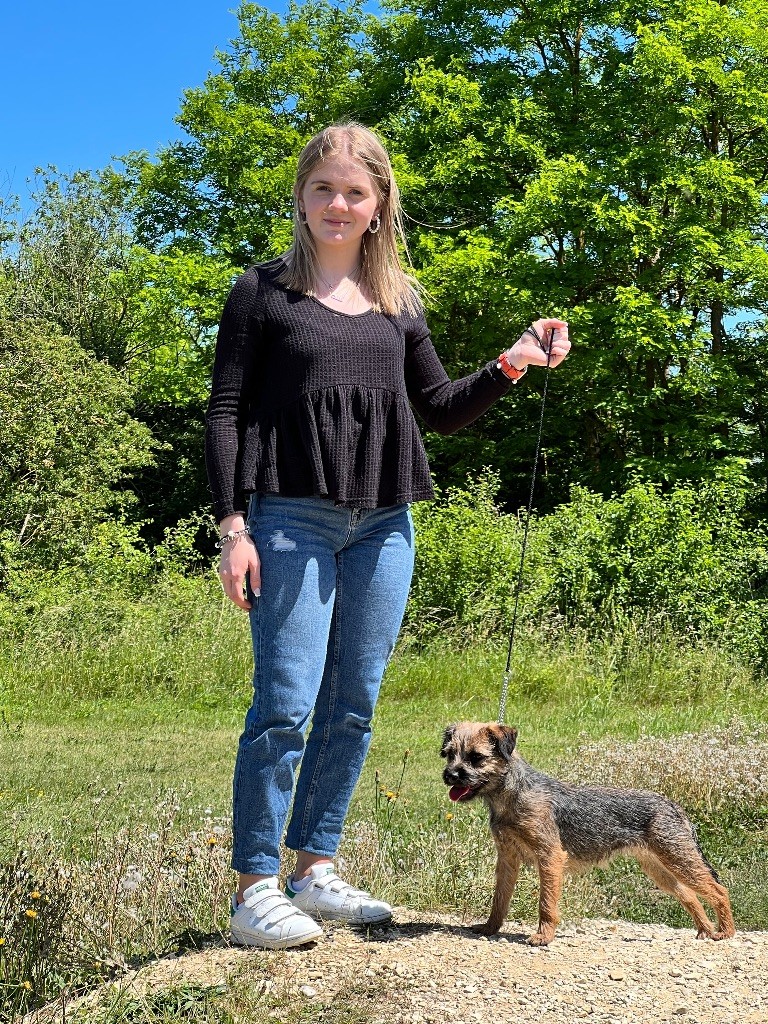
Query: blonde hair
(382, 277)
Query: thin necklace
(351, 278)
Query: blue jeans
(334, 583)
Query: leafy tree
(68, 446)
(607, 163)
(72, 263)
(76, 264)
(224, 190)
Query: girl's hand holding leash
(239, 558)
(533, 347)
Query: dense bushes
(67, 445)
(467, 557)
(687, 559)
(686, 563)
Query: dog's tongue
(459, 792)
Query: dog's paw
(539, 939)
(484, 929)
(716, 936)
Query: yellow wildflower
(449, 816)
(34, 895)
(27, 985)
(30, 912)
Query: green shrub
(67, 445)
(467, 559)
(682, 568)
(687, 557)
(121, 619)
(688, 560)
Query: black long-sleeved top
(310, 401)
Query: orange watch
(509, 370)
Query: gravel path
(429, 968)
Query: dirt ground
(428, 968)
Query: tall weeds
(69, 921)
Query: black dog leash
(518, 585)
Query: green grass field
(61, 753)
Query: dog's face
(477, 756)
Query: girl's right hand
(238, 558)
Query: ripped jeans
(334, 584)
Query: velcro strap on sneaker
(269, 902)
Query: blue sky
(81, 82)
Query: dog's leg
(684, 878)
(692, 869)
(508, 863)
(551, 867)
(684, 881)
(717, 896)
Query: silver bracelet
(232, 535)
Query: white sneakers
(271, 919)
(326, 897)
(268, 919)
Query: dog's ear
(504, 738)
(447, 737)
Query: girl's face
(339, 200)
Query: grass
(63, 756)
(246, 997)
(115, 798)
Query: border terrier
(537, 820)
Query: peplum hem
(359, 446)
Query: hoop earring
(373, 230)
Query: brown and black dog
(537, 820)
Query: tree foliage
(226, 189)
(75, 268)
(76, 263)
(68, 445)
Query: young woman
(314, 457)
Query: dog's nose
(450, 776)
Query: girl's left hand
(527, 351)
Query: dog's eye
(476, 758)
